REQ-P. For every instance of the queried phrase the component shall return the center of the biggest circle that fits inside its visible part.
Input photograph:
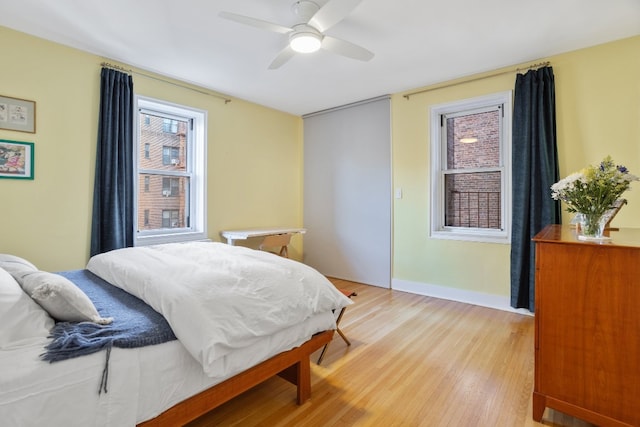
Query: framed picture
(17, 114)
(16, 159)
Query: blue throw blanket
(135, 324)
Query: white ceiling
(416, 42)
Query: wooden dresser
(587, 326)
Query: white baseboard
(460, 295)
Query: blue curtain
(535, 169)
(112, 223)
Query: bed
(177, 380)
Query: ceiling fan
(308, 35)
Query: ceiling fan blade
(284, 55)
(345, 48)
(258, 23)
(332, 13)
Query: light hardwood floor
(414, 361)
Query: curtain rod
(475, 78)
(128, 71)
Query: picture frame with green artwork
(16, 159)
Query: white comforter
(217, 297)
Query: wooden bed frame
(293, 365)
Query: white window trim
(198, 197)
(437, 228)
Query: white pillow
(12, 259)
(62, 299)
(22, 321)
(16, 266)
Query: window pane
(171, 218)
(473, 200)
(166, 194)
(170, 187)
(169, 126)
(473, 141)
(162, 150)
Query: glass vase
(592, 225)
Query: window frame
(196, 159)
(438, 149)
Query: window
(170, 187)
(471, 169)
(171, 156)
(171, 218)
(169, 126)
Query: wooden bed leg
(304, 380)
(299, 374)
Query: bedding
(143, 382)
(22, 321)
(136, 324)
(54, 293)
(191, 285)
(38, 393)
(13, 264)
(219, 298)
(62, 299)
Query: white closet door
(347, 192)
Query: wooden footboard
(293, 365)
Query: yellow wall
(254, 155)
(598, 113)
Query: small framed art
(17, 114)
(16, 159)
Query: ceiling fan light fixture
(308, 35)
(305, 42)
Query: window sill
(157, 239)
(471, 236)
